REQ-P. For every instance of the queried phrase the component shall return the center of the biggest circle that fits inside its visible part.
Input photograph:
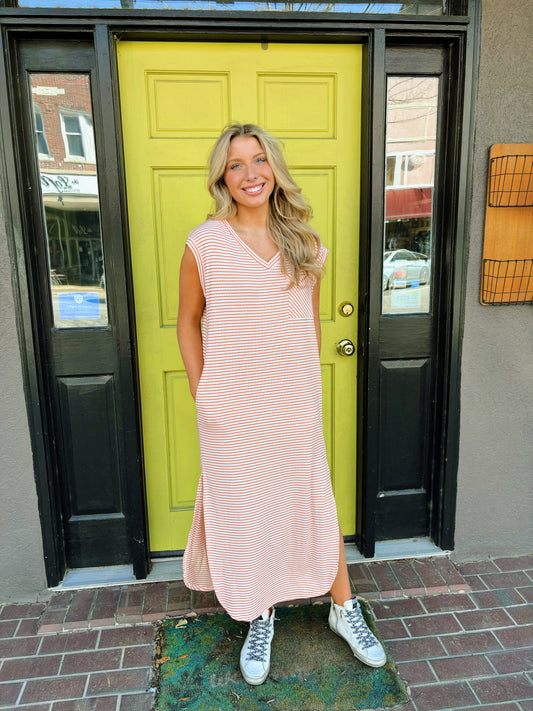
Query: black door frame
(459, 33)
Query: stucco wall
(22, 575)
(494, 505)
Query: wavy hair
(289, 213)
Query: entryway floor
(462, 637)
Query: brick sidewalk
(135, 604)
(463, 639)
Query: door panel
(175, 99)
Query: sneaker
(255, 652)
(348, 622)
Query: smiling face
(248, 175)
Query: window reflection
(415, 7)
(65, 147)
(409, 171)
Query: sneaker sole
(375, 665)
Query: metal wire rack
(511, 181)
(508, 281)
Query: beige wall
(22, 574)
(494, 504)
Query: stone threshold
(144, 603)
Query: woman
(265, 525)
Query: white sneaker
(348, 622)
(255, 652)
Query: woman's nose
(251, 171)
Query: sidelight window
(66, 156)
(410, 178)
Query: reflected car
(405, 268)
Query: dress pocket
(198, 390)
(300, 302)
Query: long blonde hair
(289, 213)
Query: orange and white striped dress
(265, 522)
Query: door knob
(345, 347)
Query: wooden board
(507, 266)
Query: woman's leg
(341, 589)
(346, 618)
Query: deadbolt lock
(346, 308)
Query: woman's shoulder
(209, 227)
(322, 253)
(206, 233)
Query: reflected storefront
(412, 104)
(69, 187)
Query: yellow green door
(175, 98)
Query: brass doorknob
(345, 347)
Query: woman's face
(248, 175)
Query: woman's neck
(255, 220)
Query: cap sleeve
(195, 249)
(322, 254)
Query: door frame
(453, 150)
(460, 33)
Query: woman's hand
(191, 308)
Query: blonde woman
(265, 525)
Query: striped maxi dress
(265, 524)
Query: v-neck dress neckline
(248, 249)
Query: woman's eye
(261, 160)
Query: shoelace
(357, 623)
(258, 643)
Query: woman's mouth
(254, 189)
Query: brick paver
(462, 638)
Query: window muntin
(70, 200)
(412, 104)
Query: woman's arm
(316, 312)
(191, 307)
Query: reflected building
(410, 162)
(64, 140)
(412, 104)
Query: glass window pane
(39, 126)
(72, 124)
(410, 174)
(70, 201)
(42, 145)
(389, 7)
(75, 147)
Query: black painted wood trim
(372, 209)
(202, 19)
(116, 224)
(467, 71)
(362, 316)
